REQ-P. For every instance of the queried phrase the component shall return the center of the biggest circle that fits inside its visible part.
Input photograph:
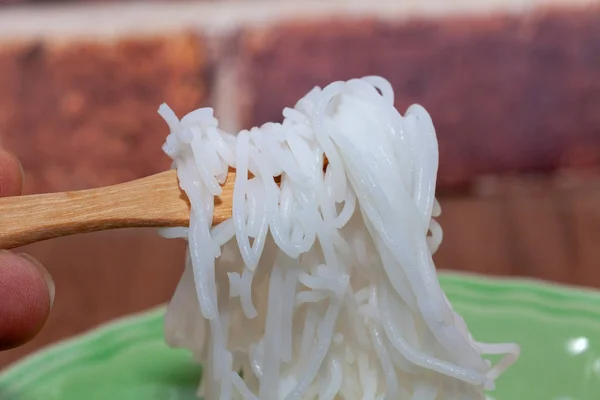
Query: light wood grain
(154, 201)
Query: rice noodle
(323, 286)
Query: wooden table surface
(542, 230)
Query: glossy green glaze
(558, 329)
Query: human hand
(26, 288)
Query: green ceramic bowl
(558, 329)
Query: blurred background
(513, 88)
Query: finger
(26, 297)
(11, 175)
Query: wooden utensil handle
(154, 201)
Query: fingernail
(47, 276)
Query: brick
(508, 93)
(83, 114)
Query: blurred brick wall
(506, 93)
(83, 114)
(511, 93)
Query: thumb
(26, 297)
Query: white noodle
(321, 287)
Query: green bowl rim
(540, 295)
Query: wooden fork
(154, 201)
